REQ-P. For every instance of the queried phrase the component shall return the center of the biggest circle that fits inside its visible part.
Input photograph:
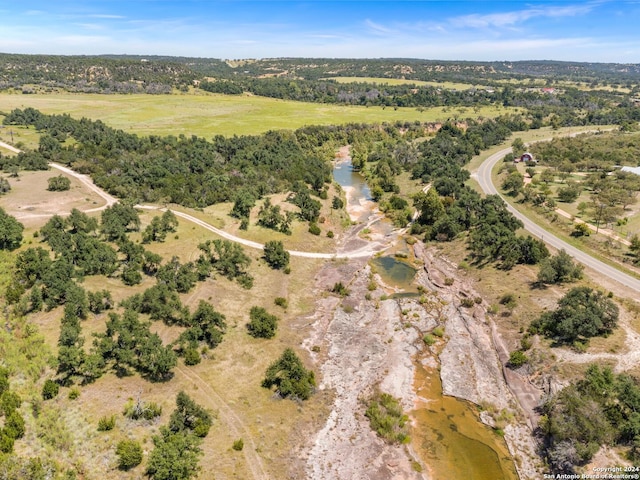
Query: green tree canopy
(10, 231)
(582, 313)
(289, 377)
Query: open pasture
(401, 81)
(206, 115)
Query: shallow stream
(447, 435)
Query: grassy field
(206, 115)
(227, 381)
(399, 81)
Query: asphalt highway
(484, 179)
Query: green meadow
(206, 115)
(400, 81)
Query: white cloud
(377, 28)
(116, 17)
(506, 19)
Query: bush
(238, 445)
(50, 389)
(340, 289)
(281, 302)
(262, 324)
(438, 332)
(429, 339)
(467, 302)
(106, 424)
(129, 454)
(191, 357)
(289, 377)
(330, 234)
(145, 410)
(74, 393)
(314, 229)
(387, 419)
(58, 184)
(517, 359)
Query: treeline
(369, 94)
(449, 207)
(188, 171)
(98, 71)
(93, 74)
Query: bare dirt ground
(31, 203)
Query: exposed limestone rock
(365, 346)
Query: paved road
(483, 177)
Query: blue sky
(598, 31)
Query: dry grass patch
(32, 204)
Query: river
(447, 433)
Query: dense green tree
(226, 258)
(582, 313)
(119, 219)
(129, 454)
(243, 203)
(513, 183)
(262, 324)
(275, 254)
(429, 205)
(58, 184)
(174, 457)
(289, 377)
(189, 416)
(559, 268)
(10, 231)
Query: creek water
(447, 434)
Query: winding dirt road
(363, 252)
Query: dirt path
(604, 231)
(9, 147)
(231, 421)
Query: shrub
(438, 332)
(467, 302)
(50, 389)
(106, 423)
(387, 419)
(145, 410)
(58, 184)
(262, 324)
(281, 302)
(74, 393)
(129, 454)
(191, 356)
(330, 234)
(517, 359)
(314, 229)
(429, 339)
(340, 289)
(238, 445)
(289, 377)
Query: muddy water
(451, 440)
(395, 272)
(447, 434)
